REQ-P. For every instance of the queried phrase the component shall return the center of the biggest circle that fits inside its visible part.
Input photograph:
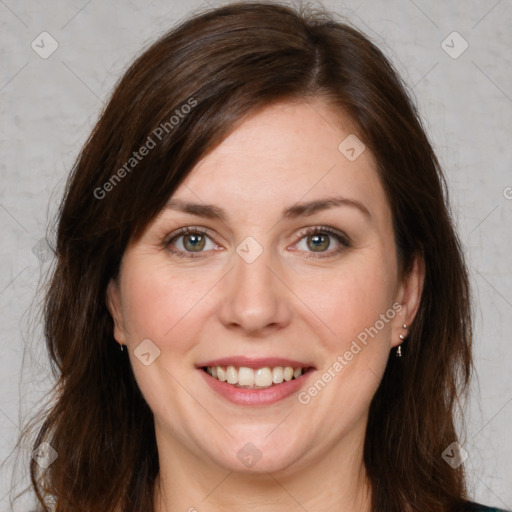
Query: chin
(252, 465)
(262, 455)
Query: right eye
(188, 240)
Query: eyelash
(342, 239)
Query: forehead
(286, 153)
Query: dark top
(471, 507)
(475, 507)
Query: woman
(260, 223)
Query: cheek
(159, 302)
(163, 306)
(352, 299)
(358, 310)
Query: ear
(113, 302)
(409, 297)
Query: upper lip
(249, 362)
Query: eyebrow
(297, 210)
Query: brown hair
(193, 87)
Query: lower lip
(268, 396)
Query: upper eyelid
(187, 230)
(322, 229)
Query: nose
(255, 300)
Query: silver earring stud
(122, 347)
(399, 348)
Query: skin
(283, 304)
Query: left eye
(318, 240)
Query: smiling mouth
(255, 378)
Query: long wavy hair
(186, 93)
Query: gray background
(48, 107)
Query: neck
(330, 481)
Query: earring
(402, 337)
(399, 348)
(122, 346)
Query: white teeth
(231, 375)
(263, 377)
(245, 376)
(277, 375)
(250, 378)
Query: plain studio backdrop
(60, 60)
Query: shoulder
(476, 507)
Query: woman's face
(254, 294)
